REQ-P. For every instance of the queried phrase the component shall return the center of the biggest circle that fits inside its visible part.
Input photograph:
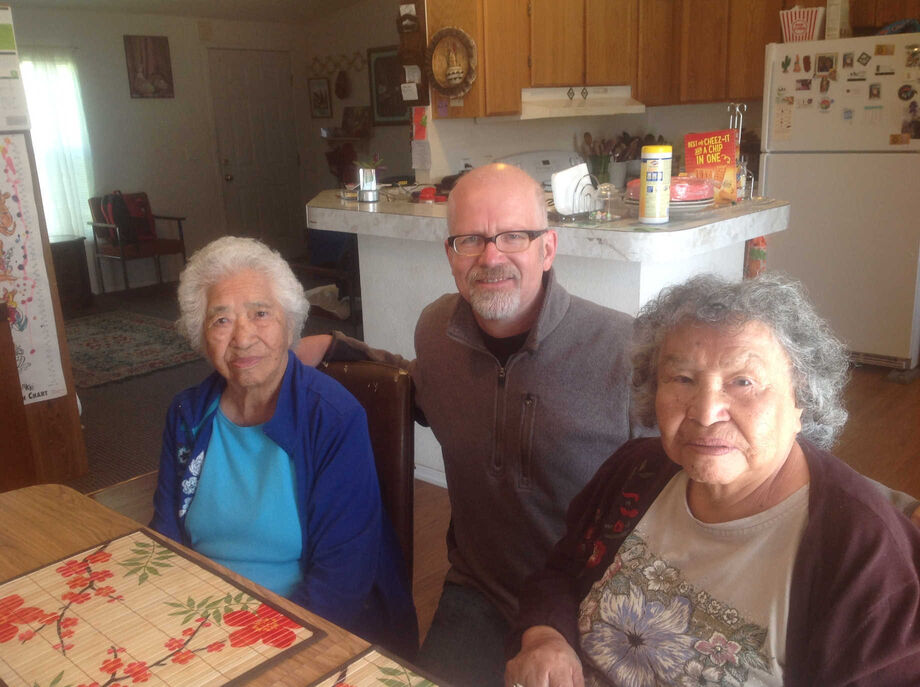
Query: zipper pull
(501, 376)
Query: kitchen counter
(620, 264)
(623, 240)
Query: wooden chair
(386, 392)
(110, 243)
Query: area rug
(116, 345)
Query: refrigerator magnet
(864, 58)
(847, 60)
(906, 92)
(875, 91)
(913, 55)
(899, 139)
(825, 62)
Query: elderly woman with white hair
(267, 465)
(734, 549)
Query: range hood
(578, 101)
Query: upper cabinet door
(752, 25)
(468, 17)
(557, 42)
(887, 11)
(657, 60)
(704, 50)
(611, 42)
(506, 47)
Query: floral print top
(692, 603)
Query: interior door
(254, 117)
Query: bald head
(496, 183)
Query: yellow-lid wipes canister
(655, 184)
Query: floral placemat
(373, 668)
(137, 610)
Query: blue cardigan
(353, 572)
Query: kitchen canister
(655, 184)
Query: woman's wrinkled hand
(545, 660)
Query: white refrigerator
(841, 142)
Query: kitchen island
(620, 264)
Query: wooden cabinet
(887, 11)
(611, 42)
(465, 15)
(751, 26)
(506, 47)
(867, 16)
(557, 43)
(703, 30)
(656, 79)
(693, 51)
(669, 51)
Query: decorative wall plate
(451, 62)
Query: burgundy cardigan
(854, 615)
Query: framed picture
(320, 102)
(825, 63)
(149, 68)
(385, 78)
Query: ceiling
(299, 11)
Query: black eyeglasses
(507, 241)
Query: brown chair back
(386, 391)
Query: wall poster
(23, 278)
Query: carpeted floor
(123, 420)
(110, 346)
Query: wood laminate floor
(881, 440)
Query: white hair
(223, 258)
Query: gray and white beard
(494, 306)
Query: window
(62, 154)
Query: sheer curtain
(62, 153)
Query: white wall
(482, 140)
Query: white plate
(680, 205)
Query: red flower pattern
(596, 555)
(111, 665)
(266, 624)
(72, 567)
(138, 671)
(216, 646)
(174, 643)
(183, 657)
(100, 575)
(74, 597)
(78, 582)
(12, 613)
(99, 557)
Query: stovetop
(542, 164)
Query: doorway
(251, 93)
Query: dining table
(69, 565)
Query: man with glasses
(526, 389)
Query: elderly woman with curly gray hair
(267, 466)
(733, 549)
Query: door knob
(228, 177)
